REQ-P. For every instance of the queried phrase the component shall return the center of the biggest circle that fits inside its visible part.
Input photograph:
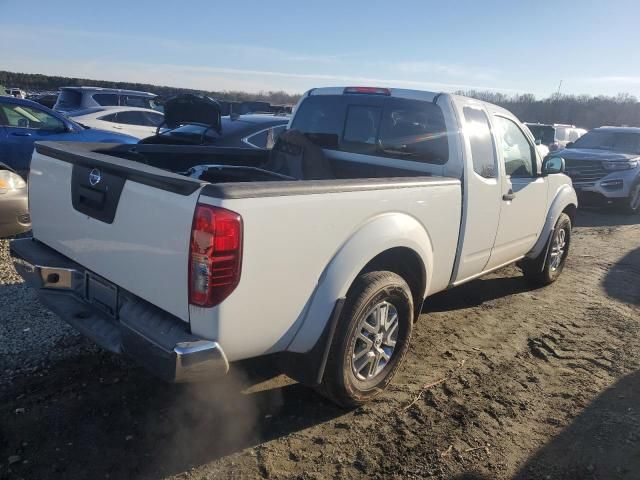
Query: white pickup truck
(319, 253)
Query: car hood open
(189, 108)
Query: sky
(506, 46)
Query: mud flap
(537, 264)
(308, 368)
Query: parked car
(79, 98)
(14, 205)
(16, 92)
(137, 122)
(374, 199)
(555, 136)
(254, 131)
(604, 165)
(23, 122)
(543, 150)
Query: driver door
(523, 193)
(24, 125)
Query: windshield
(623, 142)
(544, 133)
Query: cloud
(225, 66)
(615, 79)
(449, 70)
(220, 78)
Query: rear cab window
(383, 126)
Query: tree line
(581, 110)
(584, 111)
(35, 82)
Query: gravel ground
(30, 336)
(501, 382)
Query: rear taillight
(215, 255)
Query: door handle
(508, 196)
(117, 127)
(21, 134)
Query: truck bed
(136, 233)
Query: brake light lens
(215, 255)
(368, 90)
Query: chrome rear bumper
(155, 339)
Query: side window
(481, 142)
(517, 153)
(413, 130)
(266, 138)
(112, 117)
(106, 99)
(132, 118)
(26, 117)
(259, 140)
(153, 119)
(135, 101)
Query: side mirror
(569, 145)
(538, 142)
(551, 165)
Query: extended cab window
(479, 133)
(517, 153)
(375, 125)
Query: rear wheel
(371, 339)
(553, 259)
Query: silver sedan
(14, 204)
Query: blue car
(23, 122)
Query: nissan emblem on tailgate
(94, 177)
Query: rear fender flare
(565, 196)
(380, 234)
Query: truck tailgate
(124, 221)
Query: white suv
(79, 98)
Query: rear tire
(554, 258)
(371, 339)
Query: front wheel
(553, 258)
(371, 339)
(632, 203)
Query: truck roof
(407, 93)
